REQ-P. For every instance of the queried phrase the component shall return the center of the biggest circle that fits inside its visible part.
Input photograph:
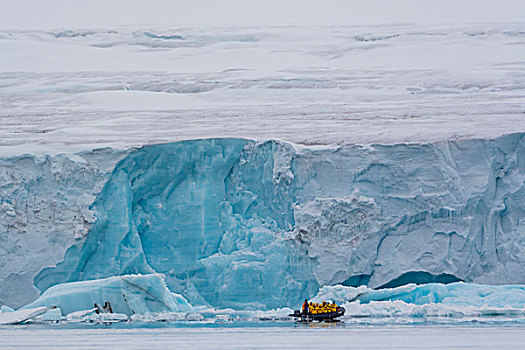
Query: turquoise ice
(128, 294)
(244, 224)
(458, 294)
(212, 221)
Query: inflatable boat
(325, 316)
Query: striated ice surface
(44, 208)
(243, 224)
(130, 294)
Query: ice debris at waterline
(433, 299)
(19, 316)
(130, 294)
(455, 302)
(453, 294)
(260, 225)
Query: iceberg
(461, 294)
(21, 316)
(6, 308)
(52, 315)
(130, 294)
(469, 301)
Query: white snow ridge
(322, 85)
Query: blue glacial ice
(6, 308)
(235, 223)
(455, 301)
(146, 298)
(261, 225)
(460, 294)
(45, 208)
(216, 225)
(129, 294)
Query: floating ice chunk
(106, 318)
(460, 294)
(340, 294)
(52, 315)
(129, 294)
(159, 317)
(21, 316)
(79, 315)
(6, 308)
(194, 317)
(398, 308)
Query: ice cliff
(244, 224)
(44, 208)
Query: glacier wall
(244, 224)
(214, 216)
(44, 209)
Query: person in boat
(306, 307)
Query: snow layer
(69, 89)
(236, 223)
(131, 294)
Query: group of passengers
(318, 308)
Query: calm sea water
(264, 335)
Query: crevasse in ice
(237, 223)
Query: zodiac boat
(319, 316)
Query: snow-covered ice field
(299, 337)
(346, 85)
(67, 87)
